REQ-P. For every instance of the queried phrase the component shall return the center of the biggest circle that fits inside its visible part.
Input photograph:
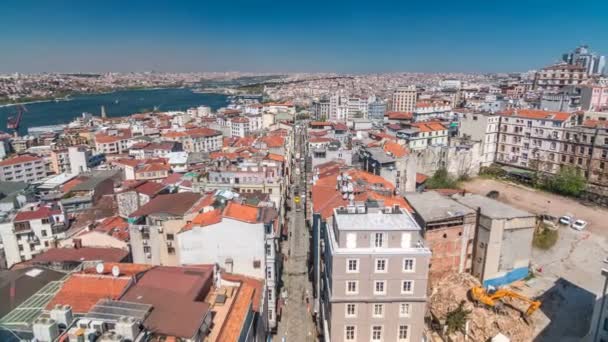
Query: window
(146, 249)
(351, 310)
(170, 237)
(407, 287)
(349, 333)
(352, 265)
(404, 310)
(44, 233)
(379, 287)
(378, 240)
(377, 333)
(381, 265)
(351, 287)
(45, 220)
(403, 333)
(171, 250)
(378, 310)
(408, 265)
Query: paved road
(296, 322)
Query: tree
(456, 319)
(441, 180)
(568, 181)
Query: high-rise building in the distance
(593, 63)
(404, 99)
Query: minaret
(103, 112)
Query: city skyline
(353, 37)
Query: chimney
(77, 243)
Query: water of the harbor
(119, 103)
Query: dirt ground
(568, 275)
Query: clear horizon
(352, 37)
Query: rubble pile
(484, 323)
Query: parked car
(566, 220)
(579, 224)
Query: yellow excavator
(480, 295)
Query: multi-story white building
(200, 139)
(533, 139)
(113, 141)
(210, 239)
(424, 134)
(24, 168)
(31, 230)
(404, 99)
(482, 127)
(239, 127)
(559, 75)
(375, 276)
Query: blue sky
(290, 36)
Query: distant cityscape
(306, 206)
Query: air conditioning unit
(62, 314)
(45, 329)
(169, 244)
(100, 326)
(111, 336)
(160, 230)
(148, 255)
(145, 242)
(84, 323)
(127, 327)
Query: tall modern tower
(593, 63)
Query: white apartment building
(210, 239)
(404, 99)
(424, 134)
(482, 127)
(31, 230)
(113, 141)
(375, 276)
(24, 168)
(532, 139)
(239, 127)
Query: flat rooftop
(491, 208)
(375, 219)
(432, 206)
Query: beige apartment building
(533, 139)
(404, 99)
(375, 274)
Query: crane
(13, 121)
(480, 295)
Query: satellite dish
(99, 268)
(115, 271)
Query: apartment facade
(23, 168)
(375, 275)
(200, 139)
(404, 99)
(533, 139)
(113, 141)
(503, 244)
(554, 77)
(482, 127)
(31, 230)
(449, 230)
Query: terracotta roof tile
(537, 114)
(177, 204)
(241, 212)
(25, 158)
(83, 291)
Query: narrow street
(296, 322)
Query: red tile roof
(249, 295)
(176, 295)
(83, 291)
(429, 126)
(537, 114)
(421, 178)
(272, 141)
(114, 226)
(81, 254)
(24, 158)
(275, 157)
(204, 219)
(241, 212)
(104, 138)
(595, 123)
(395, 149)
(399, 115)
(37, 214)
(177, 204)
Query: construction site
(461, 310)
